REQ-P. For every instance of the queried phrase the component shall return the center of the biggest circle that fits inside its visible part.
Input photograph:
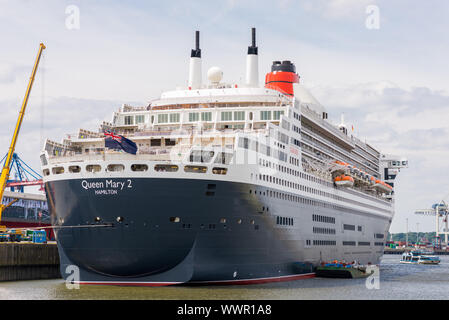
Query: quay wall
(28, 261)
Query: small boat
(419, 257)
(344, 181)
(341, 270)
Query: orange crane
(5, 171)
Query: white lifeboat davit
(344, 181)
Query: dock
(28, 261)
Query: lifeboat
(382, 186)
(344, 181)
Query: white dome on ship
(214, 74)
(305, 97)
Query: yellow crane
(5, 171)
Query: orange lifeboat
(382, 186)
(344, 181)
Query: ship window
(265, 115)
(43, 160)
(162, 118)
(58, 170)
(217, 170)
(226, 116)
(201, 156)
(223, 220)
(46, 172)
(139, 167)
(74, 169)
(174, 117)
(239, 115)
(115, 167)
(175, 219)
(239, 221)
(194, 116)
(223, 158)
(277, 115)
(165, 168)
(140, 118)
(129, 120)
(206, 116)
(170, 142)
(93, 168)
(196, 169)
(155, 142)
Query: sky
(382, 63)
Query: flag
(119, 142)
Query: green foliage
(412, 236)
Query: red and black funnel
(282, 77)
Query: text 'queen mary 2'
(231, 183)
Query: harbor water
(396, 281)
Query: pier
(28, 261)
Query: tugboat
(419, 257)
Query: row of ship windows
(204, 116)
(351, 227)
(345, 243)
(323, 230)
(297, 186)
(298, 199)
(285, 221)
(326, 219)
(135, 167)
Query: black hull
(225, 234)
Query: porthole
(93, 168)
(74, 169)
(58, 170)
(139, 167)
(115, 167)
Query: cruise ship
(231, 183)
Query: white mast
(252, 63)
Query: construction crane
(21, 175)
(6, 167)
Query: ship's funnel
(282, 77)
(195, 64)
(252, 63)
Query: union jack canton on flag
(118, 142)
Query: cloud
(338, 9)
(406, 122)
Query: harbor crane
(9, 157)
(440, 211)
